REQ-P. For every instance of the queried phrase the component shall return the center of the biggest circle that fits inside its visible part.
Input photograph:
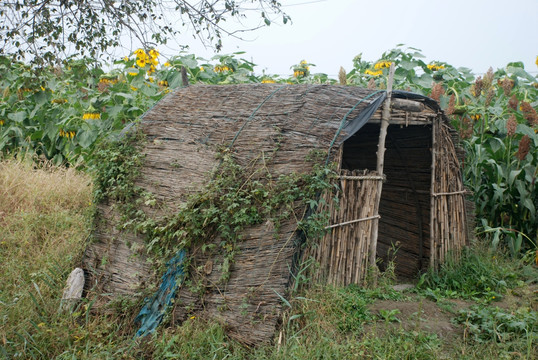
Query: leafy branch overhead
(47, 30)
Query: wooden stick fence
(343, 252)
(448, 218)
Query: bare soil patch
(418, 314)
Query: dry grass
(44, 222)
(25, 188)
(41, 210)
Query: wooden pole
(385, 117)
(433, 247)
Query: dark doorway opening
(404, 227)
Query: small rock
(73, 289)
(402, 287)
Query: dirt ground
(420, 314)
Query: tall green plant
(499, 125)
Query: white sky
(329, 33)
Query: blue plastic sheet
(155, 308)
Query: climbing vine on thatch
(235, 197)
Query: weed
(495, 324)
(389, 315)
(399, 344)
(478, 274)
(195, 339)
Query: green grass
(480, 274)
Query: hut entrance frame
(421, 209)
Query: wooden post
(385, 117)
(184, 77)
(433, 248)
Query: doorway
(404, 226)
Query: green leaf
(58, 159)
(138, 82)
(296, 316)
(519, 72)
(148, 90)
(36, 135)
(496, 144)
(516, 64)
(40, 97)
(496, 239)
(517, 243)
(114, 110)
(286, 302)
(51, 130)
(189, 61)
(125, 96)
(86, 137)
(527, 130)
(407, 65)
(496, 110)
(511, 177)
(425, 80)
(527, 202)
(499, 191)
(175, 80)
(522, 189)
(18, 116)
(530, 172)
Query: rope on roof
(254, 113)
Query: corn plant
(499, 124)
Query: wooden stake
(433, 235)
(184, 77)
(385, 117)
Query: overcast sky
(472, 33)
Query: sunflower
(91, 116)
(141, 62)
(373, 73)
(382, 64)
(140, 53)
(153, 53)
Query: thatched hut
(420, 215)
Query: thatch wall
(185, 131)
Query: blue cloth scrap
(154, 309)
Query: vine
(236, 197)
